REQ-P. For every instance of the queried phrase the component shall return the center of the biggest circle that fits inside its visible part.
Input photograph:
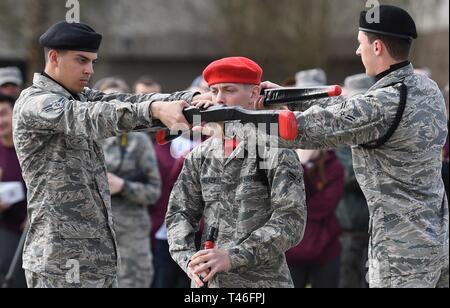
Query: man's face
(6, 113)
(232, 94)
(367, 54)
(144, 89)
(74, 69)
(11, 89)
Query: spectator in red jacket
(315, 261)
(12, 216)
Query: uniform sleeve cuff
(144, 113)
(237, 258)
(189, 97)
(187, 260)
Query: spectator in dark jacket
(315, 261)
(12, 216)
(167, 272)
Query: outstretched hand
(170, 113)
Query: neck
(386, 65)
(7, 141)
(50, 73)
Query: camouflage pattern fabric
(69, 205)
(87, 281)
(401, 180)
(135, 161)
(259, 214)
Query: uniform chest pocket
(211, 188)
(254, 208)
(211, 194)
(252, 191)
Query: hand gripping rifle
(287, 123)
(210, 243)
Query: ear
(53, 57)
(378, 47)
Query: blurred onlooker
(167, 272)
(315, 261)
(147, 85)
(423, 71)
(199, 85)
(135, 183)
(11, 81)
(12, 216)
(353, 212)
(357, 84)
(112, 85)
(311, 78)
(289, 82)
(170, 161)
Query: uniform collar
(392, 69)
(44, 81)
(216, 149)
(394, 76)
(237, 153)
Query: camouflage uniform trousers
(354, 259)
(438, 279)
(136, 266)
(86, 281)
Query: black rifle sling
(392, 129)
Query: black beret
(394, 21)
(71, 36)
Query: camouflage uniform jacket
(257, 222)
(401, 180)
(69, 205)
(133, 158)
(139, 168)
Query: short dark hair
(398, 48)
(7, 99)
(47, 49)
(147, 81)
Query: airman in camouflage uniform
(258, 219)
(259, 214)
(399, 170)
(57, 129)
(132, 159)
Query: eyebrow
(86, 58)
